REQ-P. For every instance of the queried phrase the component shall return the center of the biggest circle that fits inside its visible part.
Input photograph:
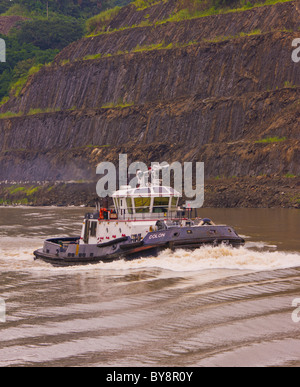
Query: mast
(153, 171)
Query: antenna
(141, 177)
(155, 180)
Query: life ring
(102, 212)
(206, 222)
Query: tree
(4, 5)
(55, 33)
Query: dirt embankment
(256, 192)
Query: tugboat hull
(69, 252)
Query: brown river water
(211, 307)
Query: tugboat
(143, 222)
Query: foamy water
(209, 307)
(19, 256)
(213, 258)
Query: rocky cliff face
(207, 89)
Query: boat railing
(143, 216)
(146, 216)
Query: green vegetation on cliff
(271, 140)
(198, 8)
(184, 10)
(99, 21)
(50, 25)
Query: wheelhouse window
(129, 206)
(93, 229)
(142, 205)
(160, 204)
